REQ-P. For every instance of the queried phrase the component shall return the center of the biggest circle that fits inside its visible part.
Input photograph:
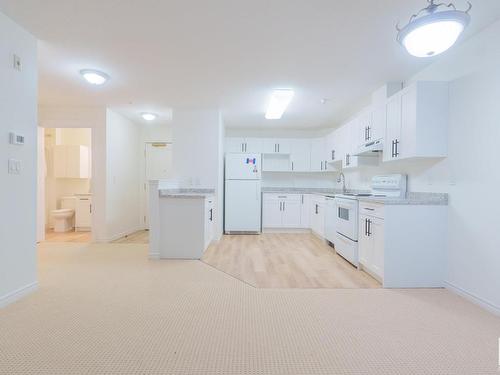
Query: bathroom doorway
(65, 184)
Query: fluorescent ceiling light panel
(148, 116)
(94, 77)
(278, 104)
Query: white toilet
(63, 217)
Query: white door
(393, 131)
(305, 211)
(83, 214)
(330, 220)
(379, 122)
(377, 236)
(235, 144)
(318, 159)
(158, 166)
(253, 145)
(242, 206)
(291, 213)
(271, 213)
(300, 155)
(365, 244)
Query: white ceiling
(164, 54)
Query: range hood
(371, 148)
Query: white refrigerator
(242, 203)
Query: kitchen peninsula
(181, 221)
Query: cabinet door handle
(90, 208)
(283, 206)
(211, 214)
(326, 165)
(369, 227)
(302, 198)
(366, 227)
(292, 165)
(278, 147)
(396, 153)
(316, 209)
(333, 154)
(392, 149)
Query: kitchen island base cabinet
(403, 245)
(181, 224)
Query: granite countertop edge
(186, 193)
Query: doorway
(157, 166)
(65, 184)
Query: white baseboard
(473, 298)
(18, 294)
(154, 256)
(286, 230)
(119, 235)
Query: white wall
(94, 118)
(123, 209)
(18, 112)
(197, 152)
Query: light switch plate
(14, 166)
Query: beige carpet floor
(106, 309)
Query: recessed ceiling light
(94, 77)
(278, 103)
(149, 116)
(431, 31)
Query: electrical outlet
(17, 63)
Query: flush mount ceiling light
(148, 116)
(94, 77)
(278, 103)
(433, 30)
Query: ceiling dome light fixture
(148, 116)
(94, 77)
(432, 31)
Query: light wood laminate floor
(72, 236)
(285, 261)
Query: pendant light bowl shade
(434, 32)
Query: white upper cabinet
(364, 128)
(300, 155)
(239, 144)
(319, 161)
(417, 122)
(71, 161)
(275, 146)
(234, 144)
(351, 140)
(378, 122)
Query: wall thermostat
(16, 139)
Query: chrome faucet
(340, 179)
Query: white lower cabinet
(403, 245)
(318, 215)
(209, 221)
(83, 214)
(305, 213)
(281, 210)
(371, 245)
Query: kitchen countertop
(317, 191)
(186, 193)
(412, 198)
